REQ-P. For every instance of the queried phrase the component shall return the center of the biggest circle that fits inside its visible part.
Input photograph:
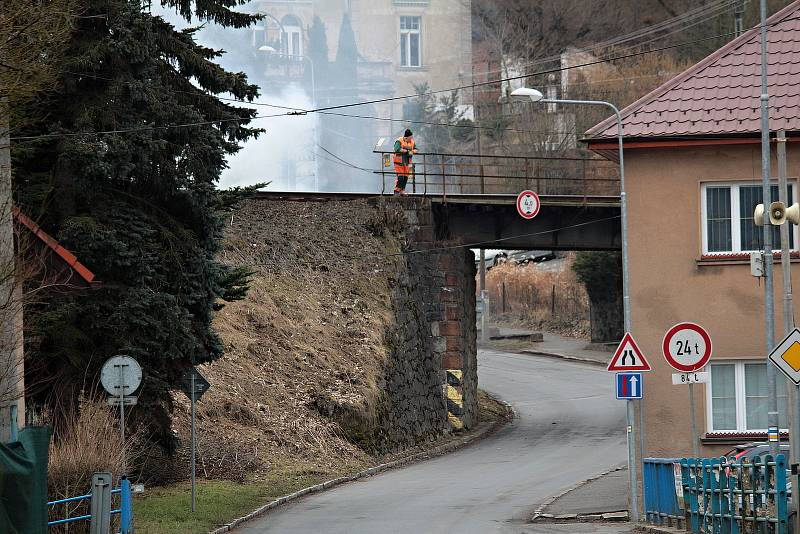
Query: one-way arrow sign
(629, 386)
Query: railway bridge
(458, 204)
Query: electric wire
(378, 101)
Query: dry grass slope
(301, 379)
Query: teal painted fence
(716, 495)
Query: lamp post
(537, 96)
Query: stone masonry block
(435, 329)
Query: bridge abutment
(447, 273)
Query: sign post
(120, 376)
(629, 362)
(194, 385)
(528, 204)
(687, 348)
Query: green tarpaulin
(23, 483)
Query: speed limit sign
(687, 347)
(528, 204)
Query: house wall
(669, 285)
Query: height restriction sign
(528, 204)
(687, 347)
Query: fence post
(424, 175)
(553, 302)
(780, 494)
(100, 522)
(125, 507)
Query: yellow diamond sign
(786, 356)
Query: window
(292, 36)
(410, 42)
(737, 401)
(728, 226)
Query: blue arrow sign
(629, 386)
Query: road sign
(687, 347)
(786, 356)
(696, 377)
(121, 375)
(628, 356)
(528, 204)
(127, 401)
(629, 386)
(201, 385)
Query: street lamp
(537, 96)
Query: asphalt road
(568, 427)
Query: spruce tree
(137, 200)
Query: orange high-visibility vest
(399, 157)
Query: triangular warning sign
(628, 357)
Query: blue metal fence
(716, 495)
(125, 510)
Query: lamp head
(266, 48)
(523, 92)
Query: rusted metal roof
(720, 95)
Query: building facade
(693, 170)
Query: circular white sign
(528, 204)
(121, 372)
(687, 347)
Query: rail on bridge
(458, 174)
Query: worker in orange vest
(404, 150)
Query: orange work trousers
(403, 172)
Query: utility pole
(793, 391)
(484, 301)
(769, 295)
(12, 398)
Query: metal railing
(124, 510)
(443, 174)
(717, 495)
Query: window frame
(735, 219)
(406, 48)
(740, 392)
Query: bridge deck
(450, 198)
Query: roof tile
(720, 95)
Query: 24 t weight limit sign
(687, 347)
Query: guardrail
(442, 174)
(717, 495)
(124, 510)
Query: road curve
(568, 427)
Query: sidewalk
(606, 495)
(580, 528)
(568, 348)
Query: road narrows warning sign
(628, 357)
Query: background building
(360, 50)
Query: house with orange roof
(693, 172)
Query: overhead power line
(384, 100)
